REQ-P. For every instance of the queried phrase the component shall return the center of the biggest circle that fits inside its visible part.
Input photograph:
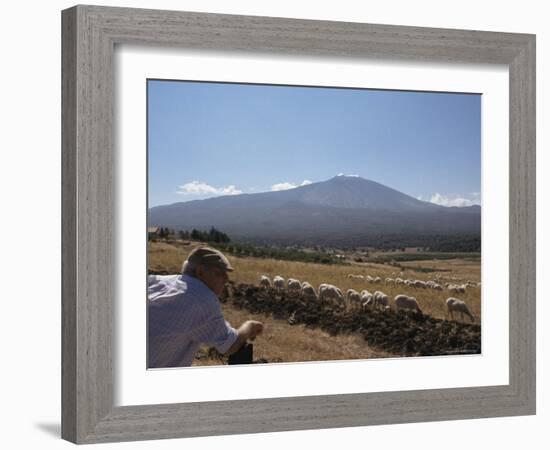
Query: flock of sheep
(367, 300)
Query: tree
(195, 234)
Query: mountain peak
(355, 192)
(342, 176)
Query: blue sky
(211, 139)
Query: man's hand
(251, 329)
(247, 331)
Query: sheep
(330, 292)
(367, 299)
(405, 302)
(456, 305)
(377, 280)
(398, 281)
(308, 291)
(388, 281)
(356, 277)
(353, 297)
(369, 303)
(265, 282)
(278, 283)
(434, 285)
(370, 279)
(381, 299)
(456, 288)
(294, 285)
(419, 284)
(365, 294)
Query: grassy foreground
(282, 342)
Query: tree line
(212, 235)
(222, 242)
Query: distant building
(152, 232)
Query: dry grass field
(283, 342)
(168, 257)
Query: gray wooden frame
(89, 36)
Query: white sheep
(367, 299)
(353, 297)
(278, 282)
(330, 292)
(402, 301)
(381, 300)
(265, 282)
(356, 277)
(456, 288)
(459, 306)
(308, 291)
(294, 285)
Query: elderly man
(184, 312)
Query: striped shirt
(183, 313)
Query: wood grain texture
(89, 36)
(523, 225)
(68, 227)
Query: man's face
(213, 277)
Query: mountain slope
(349, 208)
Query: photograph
(290, 224)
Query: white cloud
(198, 188)
(283, 186)
(287, 185)
(455, 200)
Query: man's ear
(200, 271)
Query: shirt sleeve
(217, 333)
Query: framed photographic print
(346, 179)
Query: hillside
(343, 208)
